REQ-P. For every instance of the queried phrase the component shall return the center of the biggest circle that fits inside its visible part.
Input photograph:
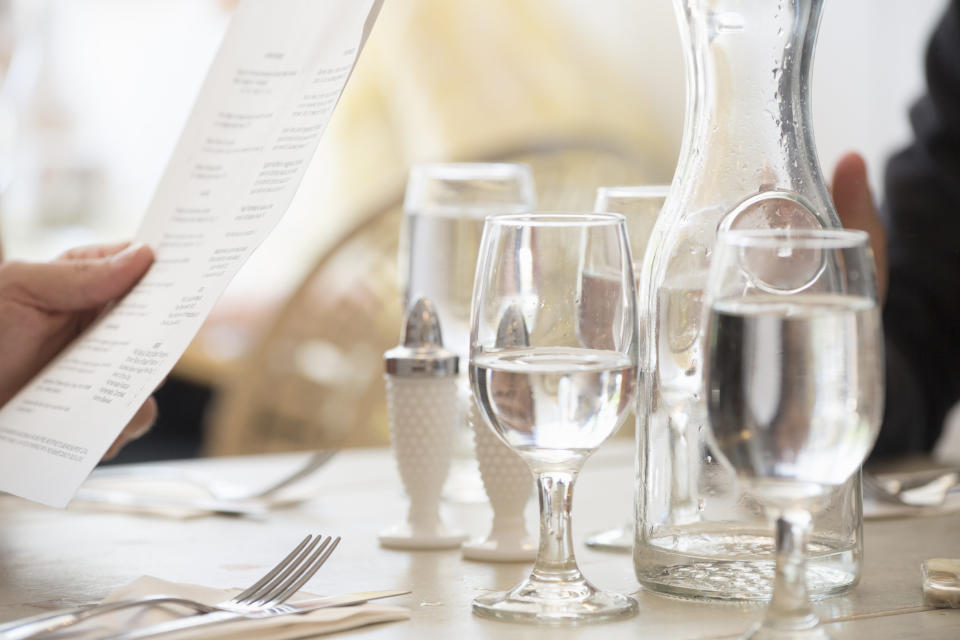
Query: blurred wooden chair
(314, 379)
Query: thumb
(851, 193)
(73, 285)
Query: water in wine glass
(554, 404)
(794, 388)
(556, 394)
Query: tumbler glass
(444, 209)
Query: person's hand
(851, 196)
(43, 306)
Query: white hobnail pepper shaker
(422, 405)
(506, 477)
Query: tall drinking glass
(640, 205)
(794, 385)
(561, 391)
(444, 209)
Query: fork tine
(269, 591)
(308, 572)
(282, 592)
(255, 587)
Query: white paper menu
(267, 98)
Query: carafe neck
(748, 118)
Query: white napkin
(321, 621)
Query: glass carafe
(747, 160)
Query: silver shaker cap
(512, 331)
(422, 354)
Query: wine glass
(640, 205)
(794, 384)
(555, 396)
(444, 208)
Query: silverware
(223, 491)
(926, 492)
(273, 589)
(128, 499)
(224, 617)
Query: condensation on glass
(747, 131)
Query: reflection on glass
(555, 398)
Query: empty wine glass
(557, 398)
(640, 205)
(794, 384)
(444, 208)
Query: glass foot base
(619, 540)
(565, 603)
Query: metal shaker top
(422, 354)
(512, 330)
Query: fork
(228, 497)
(273, 589)
(228, 492)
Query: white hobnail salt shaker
(506, 477)
(422, 406)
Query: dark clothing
(922, 214)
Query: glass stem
(790, 604)
(555, 559)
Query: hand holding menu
(252, 133)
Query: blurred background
(94, 93)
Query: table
(51, 558)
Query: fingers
(76, 283)
(851, 192)
(141, 422)
(851, 196)
(93, 251)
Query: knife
(224, 617)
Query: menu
(263, 107)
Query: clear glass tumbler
(444, 209)
(640, 205)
